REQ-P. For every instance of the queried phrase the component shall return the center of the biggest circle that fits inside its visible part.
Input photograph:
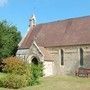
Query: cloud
(3, 3)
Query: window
(81, 56)
(62, 55)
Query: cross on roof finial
(32, 21)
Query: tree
(9, 39)
(0, 41)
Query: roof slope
(47, 54)
(66, 32)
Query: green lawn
(61, 83)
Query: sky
(18, 12)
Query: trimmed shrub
(16, 66)
(13, 81)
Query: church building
(62, 46)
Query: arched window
(81, 57)
(62, 57)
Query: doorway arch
(35, 61)
(33, 58)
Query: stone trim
(38, 48)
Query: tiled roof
(60, 33)
(47, 55)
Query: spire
(32, 21)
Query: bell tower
(32, 21)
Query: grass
(60, 83)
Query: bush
(16, 66)
(13, 81)
(20, 73)
(1, 65)
(36, 73)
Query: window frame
(62, 57)
(81, 57)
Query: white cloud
(3, 3)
